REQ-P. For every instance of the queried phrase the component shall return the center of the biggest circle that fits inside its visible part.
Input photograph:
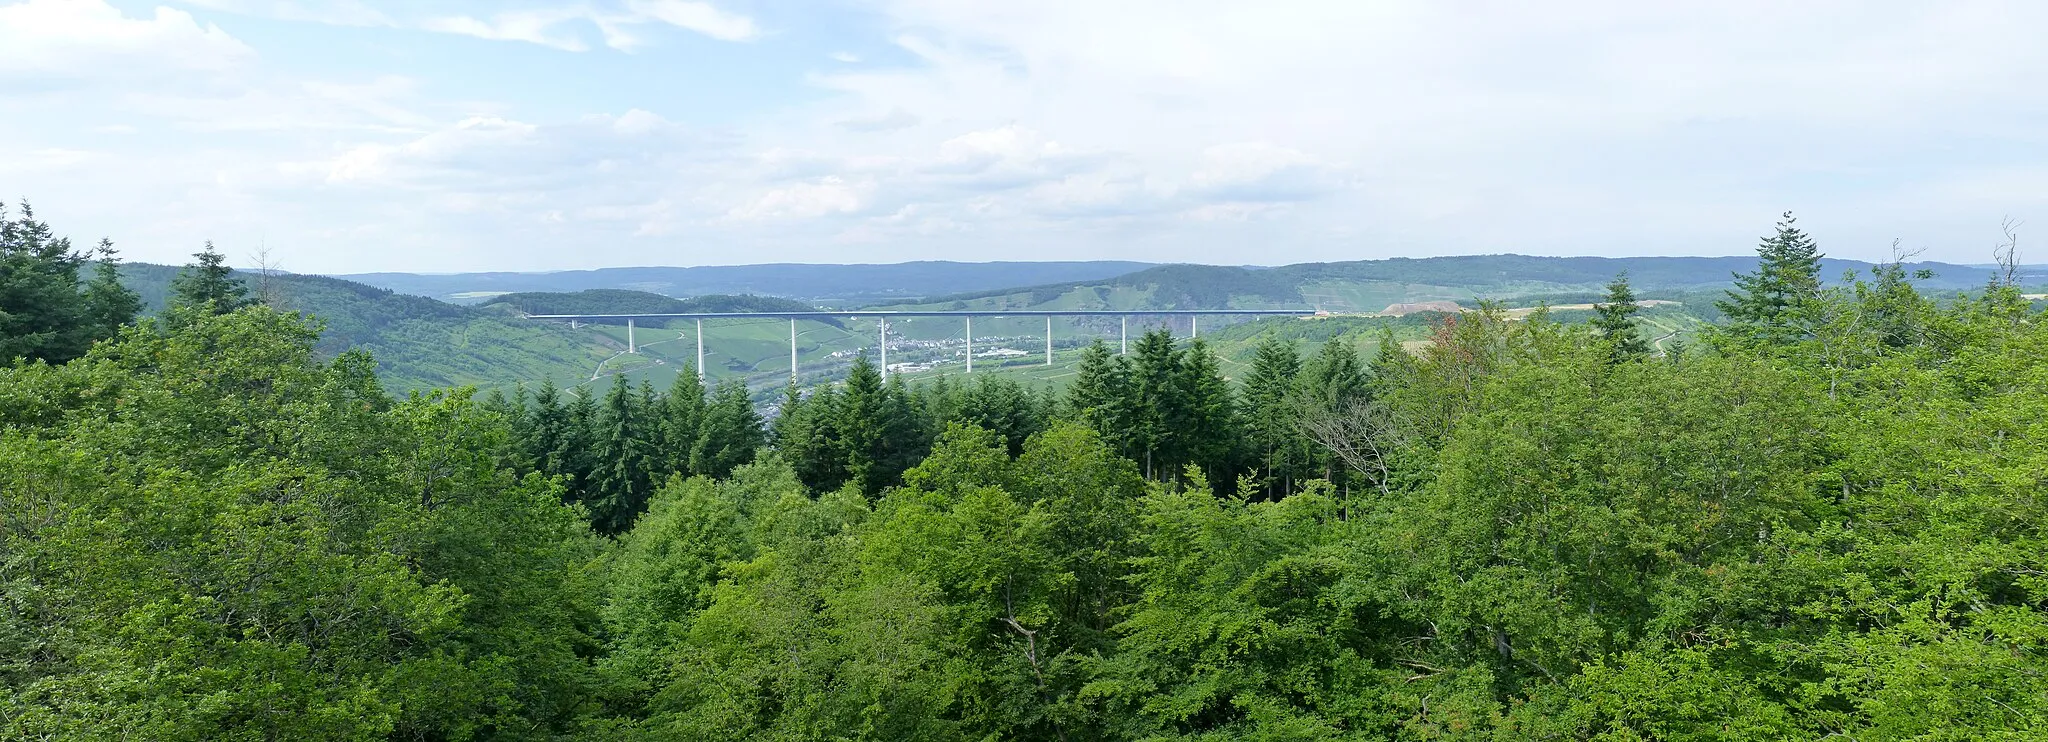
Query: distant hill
(422, 343)
(1370, 285)
(840, 283)
(621, 301)
(419, 343)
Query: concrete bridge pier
(1048, 341)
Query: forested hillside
(1820, 520)
(620, 301)
(1372, 285)
(419, 343)
(838, 283)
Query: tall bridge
(967, 316)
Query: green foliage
(208, 532)
(222, 538)
(45, 313)
(1615, 321)
(1786, 279)
(209, 285)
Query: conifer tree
(1270, 414)
(1101, 397)
(621, 479)
(1384, 371)
(996, 404)
(547, 426)
(108, 303)
(730, 434)
(1155, 403)
(575, 456)
(209, 284)
(682, 413)
(861, 426)
(905, 435)
(42, 316)
(805, 436)
(1331, 385)
(1332, 379)
(1787, 277)
(1207, 422)
(1615, 319)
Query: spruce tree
(1332, 384)
(547, 426)
(1615, 319)
(731, 433)
(860, 425)
(621, 478)
(806, 437)
(999, 405)
(1787, 277)
(682, 413)
(108, 303)
(903, 436)
(1269, 415)
(1156, 402)
(42, 315)
(575, 456)
(1100, 396)
(1206, 417)
(209, 285)
(1332, 380)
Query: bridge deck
(939, 313)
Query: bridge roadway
(1124, 341)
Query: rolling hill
(1372, 285)
(423, 343)
(835, 283)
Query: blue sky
(442, 135)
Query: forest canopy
(1823, 520)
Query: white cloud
(532, 26)
(826, 196)
(1161, 129)
(703, 18)
(896, 118)
(89, 38)
(332, 12)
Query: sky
(449, 135)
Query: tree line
(1821, 520)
